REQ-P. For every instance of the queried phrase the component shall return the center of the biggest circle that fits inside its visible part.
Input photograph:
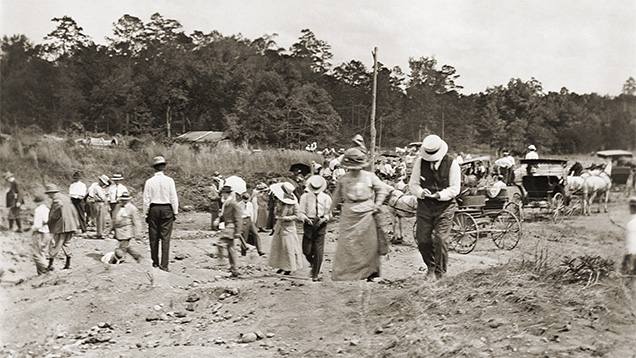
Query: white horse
(596, 183)
(400, 206)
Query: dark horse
(576, 169)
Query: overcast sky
(584, 45)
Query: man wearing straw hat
(41, 236)
(63, 222)
(127, 225)
(313, 211)
(161, 206)
(435, 181)
(14, 201)
(231, 214)
(115, 191)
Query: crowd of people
(279, 208)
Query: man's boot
(68, 263)
(50, 268)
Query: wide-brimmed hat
(284, 192)
(158, 160)
(433, 148)
(104, 179)
(354, 158)
(226, 189)
(125, 196)
(261, 186)
(316, 184)
(8, 175)
(532, 147)
(51, 188)
(116, 177)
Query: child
(114, 257)
(127, 225)
(41, 236)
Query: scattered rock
(259, 334)
(184, 320)
(190, 306)
(217, 307)
(354, 342)
(270, 335)
(232, 291)
(248, 337)
(179, 314)
(193, 297)
(157, 307)
(153, 317)
(379, 330)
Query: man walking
(161, 205)
(435, 181)
(63, 222)
(15, 200)
(97, 201)
(313, 211)
(231, 214)
(77, 192)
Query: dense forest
(154, 79)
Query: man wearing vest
(435, 181)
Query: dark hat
(38, 198)
(245, 196)
(119, 254)
(51, 188)
(632, 201)
(226, 189)
(77, 175)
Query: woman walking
(261, 197)
(286, 253)
(362, 193)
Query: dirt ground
(493, 303)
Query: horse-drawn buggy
(543, 187)
(622, 168)
(485, 212)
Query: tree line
(154, 79)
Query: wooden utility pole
(373, 97)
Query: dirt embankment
(493, 303)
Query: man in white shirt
(435, 181)
(77, 192)
(96, 199)
(628, 266)
(313, 211)
(161, 206)
(532, 154)
(41, 236)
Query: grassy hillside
(37, 159)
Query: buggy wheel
(575, 208)
(557, 206)
(464, 233)
(505, 230)
(514, 208)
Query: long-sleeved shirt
(127, 223)
(96, 192)
(248, 209)
(160, 189)
(77, 190)
(115, 191)
(314, 206)
(40, 219)
(446, 194)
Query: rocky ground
(523, 303)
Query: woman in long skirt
(286, 252)
(361, 194)
(261, 196)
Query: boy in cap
(41, 236)
(63, 222)
(231, 215)
(313, 211)
(249, 231)
(127, 225)
(15, 201)
(628, 266)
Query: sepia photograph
(317, 178)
